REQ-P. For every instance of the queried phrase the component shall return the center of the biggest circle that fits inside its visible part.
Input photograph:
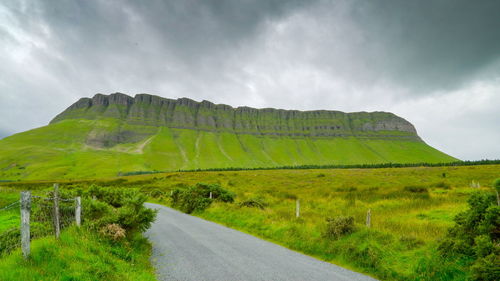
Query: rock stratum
(184, 113)
(111, 134)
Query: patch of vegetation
(198, 197)
(416, 189)
(253, 203)
(476, 237)
(108, 246)
(442, 185)
(108, 209)
(338, 227)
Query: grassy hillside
(66, 150)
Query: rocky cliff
(144, 109)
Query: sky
(435, 63)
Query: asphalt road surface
(188, 248)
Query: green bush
(496, 185)
(123, 207)
(197, 197)
(476, 236)
(338, 227)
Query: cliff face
(185, 113)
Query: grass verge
(80, 255)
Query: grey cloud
(346, 55)
(432, 44)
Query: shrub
(339, 226)
(197, 197)
(190, 200)
(253, 203)
(416, 189)
(114, 206)
(487, 268)
(476, 236)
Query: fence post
(368, 218)
(210, 194)
(78, 211)
(25, 222)
(57, 225)
(297, 208)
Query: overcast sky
(435, 63)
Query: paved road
(188, 248)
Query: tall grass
(79, 255)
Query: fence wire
(42, 220)
(10, 238)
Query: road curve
(188, 248)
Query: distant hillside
(111, 134)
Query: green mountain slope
(108, 135)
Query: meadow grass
(79, 255)
(412, 209)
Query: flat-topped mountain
(120, 133)
(185, 113)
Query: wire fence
(36, 217)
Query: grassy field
(61, 150)
(411, 210)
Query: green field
(407, 223)
(62, 150)
(412, 210)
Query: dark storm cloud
(191, 31)
(432, 44)
(348, 55)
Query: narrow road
(188, 248)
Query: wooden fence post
(57, 225)
(297, 208)
(210, 194)
(368, 218)
(25, 222)
(78, 211)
